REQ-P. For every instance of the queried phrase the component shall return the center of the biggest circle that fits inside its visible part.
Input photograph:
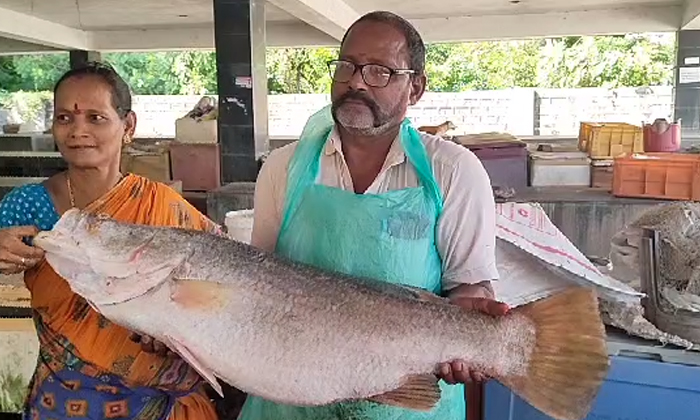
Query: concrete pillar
(239, 28)
(80, 57)
(687, 84)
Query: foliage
(26, 106)
(299, 70)
(482, 65)
(32, 72)
(569, 62)
(612, 61)
(13, 390)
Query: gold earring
(126, 139)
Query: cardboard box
(153, 163)
(188, 130)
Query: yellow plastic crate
(610, 140)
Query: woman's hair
(121, 94)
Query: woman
(88, 367)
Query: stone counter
(588, 217)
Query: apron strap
(418, 156)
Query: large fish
(232, 312)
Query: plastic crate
(667, 176)
(635, 389)
(610, 140)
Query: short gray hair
(414, 42)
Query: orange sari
(79, 345)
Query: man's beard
(369, 122)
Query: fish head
(108, 262)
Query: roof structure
(133, 25)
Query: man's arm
(270, 189)
(466, 232)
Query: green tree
(609, 61)
(299, 70)
(482, 65)
(568, 62)
(32, 72)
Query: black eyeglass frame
(361, 68)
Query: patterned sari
(88, 367)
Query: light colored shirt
(466, 229)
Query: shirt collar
(396, 155)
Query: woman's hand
(15, 255)
(149, 345)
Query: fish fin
(569, 361)
(419, 392)
(191, 360)
(198, 294)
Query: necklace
(71, 196)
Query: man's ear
(418, 84)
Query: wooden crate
(197, 165)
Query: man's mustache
(355, 95)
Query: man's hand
(476, 297)
(149, 345)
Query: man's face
(368, 110)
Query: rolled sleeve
(466, 231)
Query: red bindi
(76, 109)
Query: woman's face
(88, 131)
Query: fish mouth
(61, 247)
(54, 242)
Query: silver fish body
(298, 335)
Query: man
(364, 193)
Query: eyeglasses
(374, 75)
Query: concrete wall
(518, 111)
(559, 111)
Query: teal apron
(389, 236)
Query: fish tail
(569, 361)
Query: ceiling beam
(552, 24)
(30, 29)
(691, 15)
(13, 47)
(278, 34)
(332, 17)
(195, 38)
